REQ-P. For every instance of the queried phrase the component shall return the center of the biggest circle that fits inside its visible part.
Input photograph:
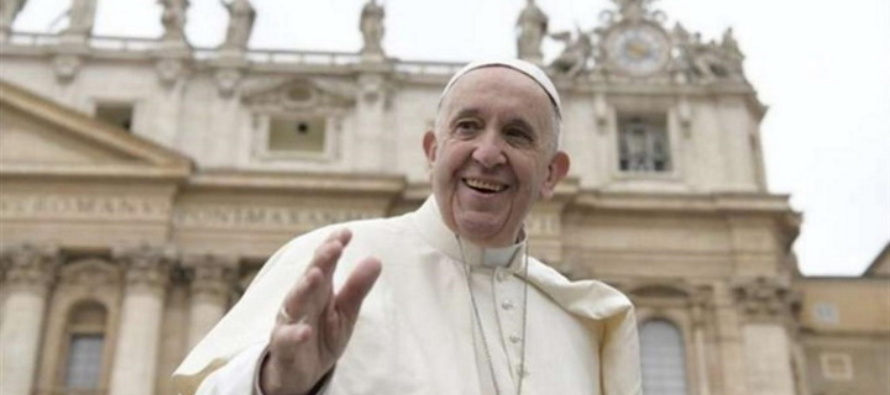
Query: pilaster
(136, 354)
(765, 305)
(212, 277)
(30, 273)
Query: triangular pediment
(880, 267)
(300, 94)
(41, 137)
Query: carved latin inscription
(236, 216)
(83, 206)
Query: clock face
(638, 49)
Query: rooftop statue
(708, 61)
(573, 59)
(9, 9)
(81, 16)
(532, 26)
(371, 26)
(173, 20)
(241, 19)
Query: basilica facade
(143, 182)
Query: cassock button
(515, 339)
(507, 304)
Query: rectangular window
(825, 313)
(117, 114)
(84, 367)
(297, 135)
(837, 366)
(643, 144)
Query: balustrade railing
(253, 56)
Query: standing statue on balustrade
(532, 26)
(241, 18)
(9, 9)
(371, 26)
(173, 20)
(81, 17)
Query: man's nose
(489, 151)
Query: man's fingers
(328, 253)
(302, 299)
(349, 299)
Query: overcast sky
(823, 68)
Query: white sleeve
(241, 376)
(237, 377)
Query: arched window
(86, 341)
(664, 362)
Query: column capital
(146, 266)
(30, 267)
(765, 298)
(211, 275)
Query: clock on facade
(638, 49)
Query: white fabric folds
(414, 333)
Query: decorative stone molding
(212, 276)
(66, 66)
(284, 96)
(146, 266)
(30, 267)
(765, 299)
(170, 70)
(227, 80)
(91, 273)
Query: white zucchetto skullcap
(529, 69)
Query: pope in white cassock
(444, 300)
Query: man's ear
(429, 146)
(556, 171)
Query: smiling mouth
(484, 186)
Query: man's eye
(465, 127)
(519, 135)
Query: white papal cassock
(417, 332)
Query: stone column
(729, 341)
(699, 305)
(768, 350)
(29, 275)
(136, 352)
(212, 277)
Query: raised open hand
(314, 324)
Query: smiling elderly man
(444, 300)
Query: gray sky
(822, 66)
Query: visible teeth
(480, 184)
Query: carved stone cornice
(30, 268)
(765, 299)
(92, 273)
(146, 266)
(212, 276)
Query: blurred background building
(143, 182)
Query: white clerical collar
(431, 226)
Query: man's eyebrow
(470, 112)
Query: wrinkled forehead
(521, 66)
